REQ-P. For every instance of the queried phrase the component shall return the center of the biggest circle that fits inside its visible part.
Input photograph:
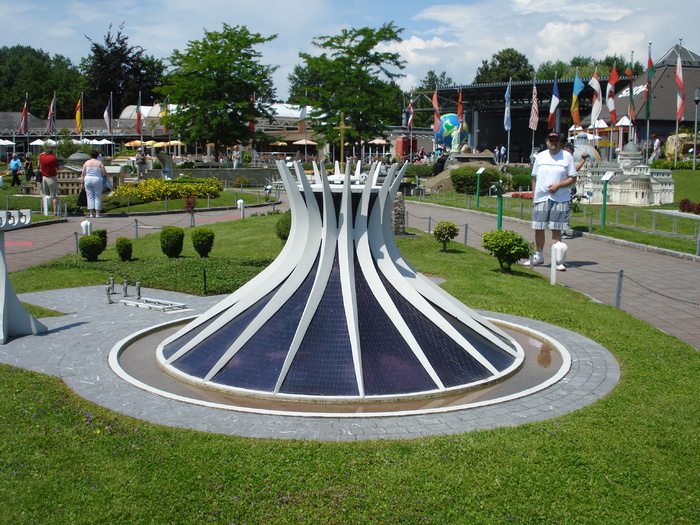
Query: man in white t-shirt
(552, 174)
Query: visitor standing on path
(15, 165)
(93, 177)
(48, 166)
(552, 174)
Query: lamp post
(695, 139)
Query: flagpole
(675, 159)
(111, 126)
(648, 111)
(26, 126)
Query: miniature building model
(340, 314)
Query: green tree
(444, 232)
(507, 246)
(431, 80)
(220, 87)
(304, 83)
(120, 69)
(423, 114)
(507, 63)
(586, 66)
(28, 71)
(356, 81)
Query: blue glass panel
(453, 364)
(323, 364)
(388, 364)
(171, 348)
(493, 354)
(257, 364)
(200, 359)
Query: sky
(449, 37)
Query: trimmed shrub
(102, 234)
(203, 240)
(424, 171)
(124, 248)
(241, 182)
(521, 181)
(464, 179)
(171, 241)
(90, 247)
(284, 225)
(507, 246)
(444, 232)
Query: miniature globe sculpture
(340, 315)
(448, 123)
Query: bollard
(45, 202)
(558, 257)
(697, 249)
(241, 206)
(258, 197)
(87, 227)
(430, 221)
(208, 201)
(406, 220)
(590, 223)
(166, 203)
(136, 228)
(653, 223)
(75, 238)
(109, 297)
(125, 285)
(273, 207)
(618, 296)
(191, 219)
(7, 203)
(521, 211)
(111, 283)
(204, 281)
(138, 289)
(128, 205)
(466, 229)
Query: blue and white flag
(506, 117)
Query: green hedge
(464, 179)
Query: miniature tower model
(14, 319)
(340, 315)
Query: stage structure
(340, 315)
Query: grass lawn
(629, 458)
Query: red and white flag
(460, 110)
(51, 117)
(409, 123)
(680, 96)
(138, 116)
(24, 119)
(597, 104)
(610, 95)
(535, 111)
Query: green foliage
(671, 165)
(586, 67)
(241, 182)
(464, 179)
(423, 171)
(520, 181)
(504, 65)
(212, 82)
(90, 246)
(171, 241)
(444, 232)
(203, 240)
(507, 246)
(114, 67)
(124, 248)
(158, 189)
(102, 234)
(284, 225)
(353, 76)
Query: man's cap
(553, 134)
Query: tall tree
(123, 70)
(431, 80)
(220, 87)
(304, 83)
(356, 82)
(585, 66)
(24, 69)
(507, 63)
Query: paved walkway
(658, 288)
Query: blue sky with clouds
(450, 37)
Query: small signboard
(608, 175)
(480, 171)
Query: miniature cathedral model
(340, 315)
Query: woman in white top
(93, 176)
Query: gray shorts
(551, 215)
(49, 186)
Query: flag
(409, 123)
(680, 96)
(79, 116)
(553, 104)
(164, 113)
(630, 107)
(138, 116)
(535, 111)
(436, 113)
(610, 95)
(51, 117)
(575, 114)
(24, 119)
(108, 115)
(650, 74)
(597, 103)
(506, 115)
(251, 124)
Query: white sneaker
(561, 268)
(537, 260)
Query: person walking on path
(48, 166)
(93, 177)
(15, 165)
(552, 174)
